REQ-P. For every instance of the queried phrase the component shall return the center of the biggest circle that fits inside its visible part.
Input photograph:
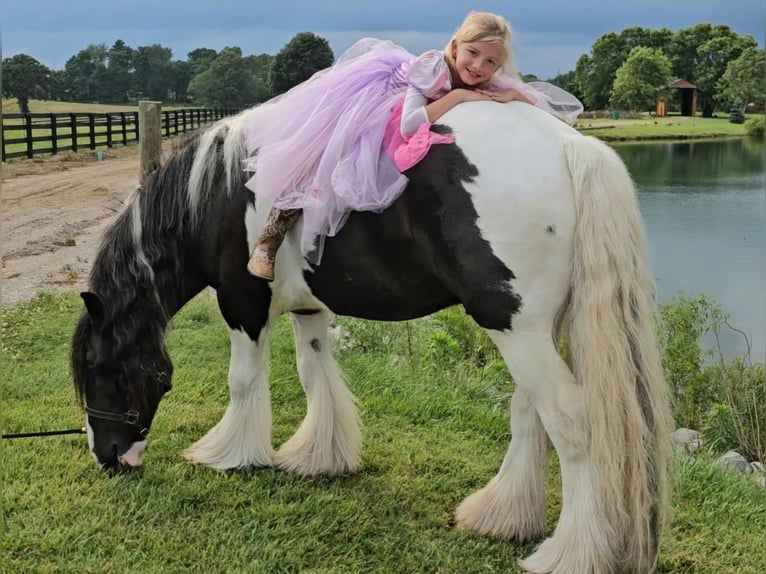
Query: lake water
(704, 208)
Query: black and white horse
(532, 227)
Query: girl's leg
(278, 223)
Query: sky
(549, 35)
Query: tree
(24, 78)
(645, 75)
(181, 74)
(57, 86)
(595, 73)
(200, 59)
(260, 66)
(228, 81)
(119, 72)
(744, 78)
(701, 55)
(84, 74)
(298, 60)
(153, 72)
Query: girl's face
(476, 62)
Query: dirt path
(53, 214)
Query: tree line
(98, 74)
(626, 70)
(630, 70)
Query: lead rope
(45, 433)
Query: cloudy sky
(549, 34)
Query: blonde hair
(482, 27)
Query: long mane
(137, 270)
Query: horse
(531, 226)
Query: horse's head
(121, 372)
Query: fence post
(28, 130)
(149, 136)
(73, 121)
(124, 129)
(92, 129)
(54, 135)
(109, 129)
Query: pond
(704, 208)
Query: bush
(724, 399)
(742, 387)
(755, 126)
(737, 113)
(682, 321)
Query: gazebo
(688, 99)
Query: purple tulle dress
(328, 145)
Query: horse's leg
(329, 440)
(243, 436)
(512, 505)
(581, 541)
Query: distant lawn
(11, 106)
(434, 403)
(669, 127)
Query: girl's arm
(510, 95)
(438, 108)
(417, 110)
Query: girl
(340, 141)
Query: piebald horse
(531, 226)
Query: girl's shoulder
(429, 73)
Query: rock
(735, 461)
(65, 243)
(686, 440)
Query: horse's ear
(94, 306)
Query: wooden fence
(28, 135)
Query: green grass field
(433, 399)
(670, 127)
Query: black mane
(142, 283)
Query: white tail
(614, 353)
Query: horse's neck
(142, 286)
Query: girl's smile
(476, 62)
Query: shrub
(737, 113)
(474, 344)
(755, 126)
(682, 321)
(742, 387)
(726, 399)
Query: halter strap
(131, 418)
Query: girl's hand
(505, 96)
(473, 95)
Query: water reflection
(705, 214)
(705, 163)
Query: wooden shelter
(688, 99)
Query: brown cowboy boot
(278, 223)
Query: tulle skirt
(319, 147)
(322, 147)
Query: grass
(433, 399)
(669, 127)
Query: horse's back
(522, 194)
(493, 207)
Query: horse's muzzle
(114, 462)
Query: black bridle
(132, 418)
